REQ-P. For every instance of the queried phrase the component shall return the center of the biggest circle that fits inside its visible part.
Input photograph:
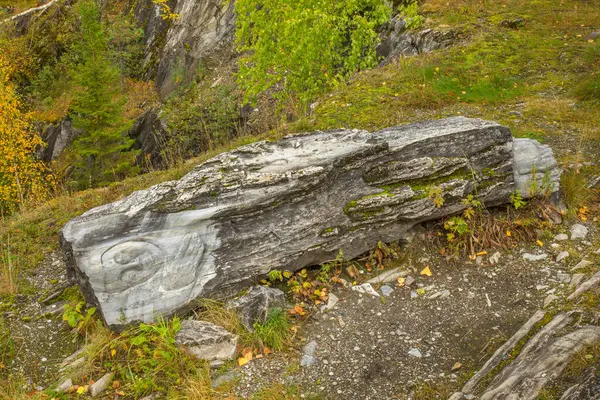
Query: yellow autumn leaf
(420, 291)
(82, 389)
(508, 233)
(113, 352)
(242, 361)
(426, 271)
(472, 257)
(539, 242)
(401, 281)
(482, 253)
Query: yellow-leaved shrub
(23, 177)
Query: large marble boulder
(281, 205)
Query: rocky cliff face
(176, 49)
(281, 205)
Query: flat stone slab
(286, 205)
(206, 341)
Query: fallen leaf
(456, 366)
(267, 350)
(401, 281)
(420, 291)
(259, 356)
(426, 271)
(116, 384)
(242, 361)
(539, 242)
(120, 393)
(472, 257)
(443, 251)
(247, 353)
(352, 271)
(82, 389)
(113, 352)
(508, 233)
(482, 253)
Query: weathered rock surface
(588, 389)
(57, 138)
(253, 307)
(397, 41)
(542, 359)
(206, 341)
(175, 49)
(534, 160)
(281, 205)
(101, 384)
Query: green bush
(198, 120)
(305, 47)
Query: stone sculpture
(283, 205)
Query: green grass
(491, 70)
(275, 332)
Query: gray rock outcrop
(280, 205)
(176, 48)
(253, 307)
(206, 341)
(57, 138)
(397, 40)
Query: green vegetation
(275, 332)
(103, 151)
(304, 48)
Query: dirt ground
(363, 343)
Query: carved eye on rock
(129, 264)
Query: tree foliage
(305, 46)
(23, 177)
(103, 149)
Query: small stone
(415, 352)
(479, 260)
(387, 290)
(444, 294)
(561, 237)
(593, 36)
(101, 384)
(307, 361)
(576, 280)
(310, 348)
(578, 231)
(495, 258)
(562, 255)
(206, 341)
(535, 257)
(413, 294)
(63, 387)
(365, 288)
(224, 378)
(332, 300)
(253, 307)
(549, 300)
(581, 265)
(409, 281)
(388, 276)
(435, 295)
(564, 278)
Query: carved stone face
(129, 264)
